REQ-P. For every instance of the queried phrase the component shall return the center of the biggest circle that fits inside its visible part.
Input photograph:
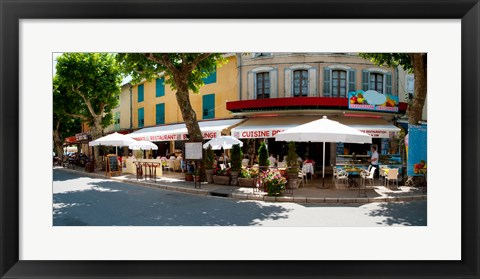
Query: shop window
(140, 93)
(263, 85)
(300, 83)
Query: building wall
(225, 88)
(123, 109)
(281, 66)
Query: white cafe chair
(342, 175)
(368, 176)
(391, 176)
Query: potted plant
(262, 159)
(236, 159)
(273, 182)
(221, 176)
(188, 176)
(248, 177)
(292, 166)
(196, 176)
(209, 162)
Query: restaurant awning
(210, 129)
(375, 127)
(268, 127)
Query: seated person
(272, 160)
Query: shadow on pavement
(115, 204)
(400, 213)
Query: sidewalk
(310, 193)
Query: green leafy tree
(183, 72)
(292, 157)
(90, 84)
(263, 155)
(415, 63)
(236, 157)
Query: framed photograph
(32, 247)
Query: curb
(254, 197)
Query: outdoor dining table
(353, 174)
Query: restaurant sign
(375, 133)
(255, 134)
(372, 100)
(169, 137)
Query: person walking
(374, 160)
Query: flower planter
(197, 178)
(222, 180)
(234, 178)
(247, 182)
(209, 175)
(188, 177)
(292, 182)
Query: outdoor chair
(222, 166)
(334, 174)
(368, 176)
(303, 177)
(391, 176)
(342, 175)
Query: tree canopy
(415, 63)
(182, 71)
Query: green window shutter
(388, 83)
(160, 87)
(140, 93)
(160, 114)
(352, 80)
(141, 118)
(327, 82)
(212, 78)
(208, 108)
(117, 121)
(365, 80)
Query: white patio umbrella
(114, 139)
(324, 130)
(142, 145)
(225, 142)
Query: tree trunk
(58, 141)
(419, 61)
(188, 114)
(96, 132)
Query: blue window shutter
(388, 83)
(141, 118)
(352, 80)
(140, 93)
(365, 80)
(208, 108)
(212, 78)
(160, 114)
(160, 87)
(327, 82)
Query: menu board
(112, 165)
(193, 151)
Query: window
(338, 80)
(300, 83)
(160, 114)
(212, 78)
(208, 108)
(141, 118)
(339, 83)
(376, 82)
(160, 87)
(263, 85)
(140, 93)
(262, 54)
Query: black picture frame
(12, 11)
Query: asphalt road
(85, 201)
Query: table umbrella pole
(323, 168)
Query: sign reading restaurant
(254, 134)
(372, 100)
(169, 137)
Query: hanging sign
(372, 100)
